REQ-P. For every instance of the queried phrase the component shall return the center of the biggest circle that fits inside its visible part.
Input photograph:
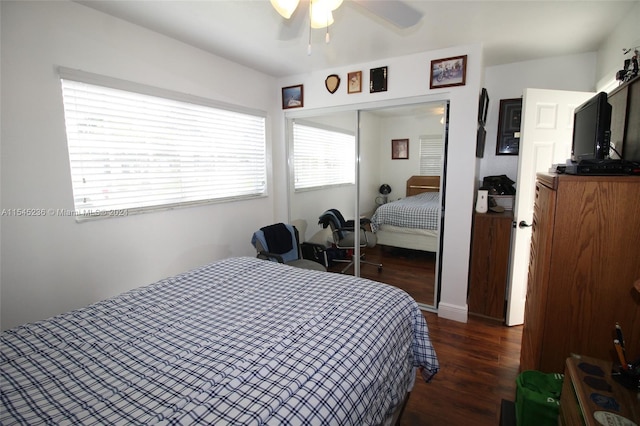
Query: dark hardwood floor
(411, 270)
(479, 360)
(479, 363)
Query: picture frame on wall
(481, 137)
(354, 82)
(378, 80)
(448, 72)
(400, 149)
(293, 97)
(508, 142)
(483, 107)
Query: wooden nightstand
(590, 396)
(490, 247)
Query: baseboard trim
(453, 312)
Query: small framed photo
(508, 142)
(378, 80)
(448, 72)
(355, 82)
(400, 149)
(292, 97)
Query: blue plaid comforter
(240, 341)
(418, 212)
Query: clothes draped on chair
(329, 218)
(273, 239)
(278, 237)
(280, 242)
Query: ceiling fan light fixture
(285, 7)
(333, 4)
(320, 13)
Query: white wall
(588, 72)
(53, 264)
(396, 172)
(574, 72)
(370, 160)
(610, 55)
(408, 82)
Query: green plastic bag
(538, 398)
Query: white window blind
(135, 151)
(431, 153)
(322, 157)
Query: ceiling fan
(320, 13)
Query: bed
(411, 222)
(239, 341)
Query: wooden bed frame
(412, 238)
(419, 184)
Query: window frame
(349, 164)
(137, 88)
(430, 155)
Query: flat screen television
(592, 130)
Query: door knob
(523, 224)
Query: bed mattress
(420, 211)
(239, 341)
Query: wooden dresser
(585, 256)
(591, 397)
(490, 245)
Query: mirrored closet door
(387, 170)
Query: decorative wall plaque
(332, 83)
(378, 80)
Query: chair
(281, 243)
(343, 235)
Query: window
(146, 148)
(431, 152)
(322, 157)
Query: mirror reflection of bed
(407, 232)
(407, 263)
(411, 222)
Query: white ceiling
(252, 33)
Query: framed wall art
(400, 149)
(483, 107)
(481, 137)
(378, 80)
(508, 142)
(293, 97)
(448, 72)
(332, 83)
(355, 82)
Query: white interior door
(545, 139)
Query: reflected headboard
(420, 184)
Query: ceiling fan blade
(397, 12)
(292, 28)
